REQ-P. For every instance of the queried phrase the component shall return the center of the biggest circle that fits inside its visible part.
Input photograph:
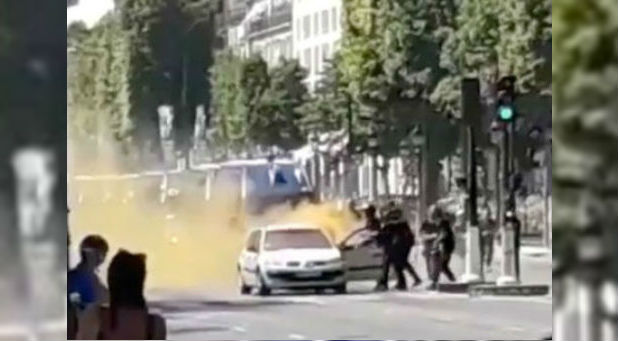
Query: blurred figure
(127, 317)
(429, 234)
(402, 243)
(488, 234)
(71, 308)
(352, 207)
(446, 246)
(84, 286)
(372, 222)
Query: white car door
(361, 255)
(249, 259)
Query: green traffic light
(506, 113)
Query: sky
(89, 11)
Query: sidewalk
(536, 264)
(49, 330)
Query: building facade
(306, 30)
(317, 31)
(265, 29)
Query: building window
(306, 27)
(335, 19)
(290, 48)
(326, 51)
(298, 29)
(316, 60)
(307, 60)
(316, 24)
(325, 22)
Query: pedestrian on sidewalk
(127, 317)
(488, 235)
(444, 246)
(428, 233)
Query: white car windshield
(295, 239)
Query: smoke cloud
(189, 242)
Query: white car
(300, 256)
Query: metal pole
(546, 206)
(422, 202)
(508, 271)
(473, 258)
(423, 173)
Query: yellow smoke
(189, 242)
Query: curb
(458, 287)
(509, 290)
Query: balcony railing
(279, 17)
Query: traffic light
(506, 99)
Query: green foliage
(97, 82)
(585, 169)
(144, 54)
(230, 129)
(327, 108)
(390, 62)
(254, 81)
(255, 106)
(492, 38)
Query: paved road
(362, 314)
(358, 315)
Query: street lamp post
(419, 143)
(373, 147)
(314, 141)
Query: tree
(280, 117)
(327, 108)
(489, 39)
(230, 128)
(98, 98)
(586, 139)
(253, 83)
(389, 60)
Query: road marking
(443, 319)
(296, 337)
(239, 329)
(541, 300)
(24, 329)
(515, 329)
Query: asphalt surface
(416, 314)
(358, 315)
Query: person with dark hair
(488, 235)
(429, 234)
(401, 245)
(127, 317)
(83, 284)
(445, 244)
(372, 222)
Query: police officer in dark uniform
(397, 239)
(403, 243)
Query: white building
(317, 31)
(266, 29)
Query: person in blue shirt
(83, 284)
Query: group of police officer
(397, 239)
